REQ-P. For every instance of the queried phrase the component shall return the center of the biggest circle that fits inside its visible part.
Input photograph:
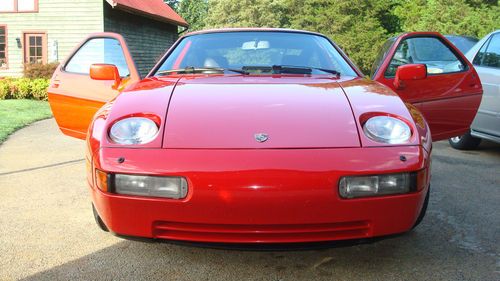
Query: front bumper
(260, 196)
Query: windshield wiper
(305, 69)
(192, 69)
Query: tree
(247, 13)
(360, 27)
(449, 16)
(172, 3)
(194, 12)
(353, 24)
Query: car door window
(430, 51)
(381, 56)
(489, 55)
(98, 50)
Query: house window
(35, 48)
(3, 46)
(18, 6)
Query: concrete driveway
(47, 230)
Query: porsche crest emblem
(261, 137)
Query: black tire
(424, 209)
(465, 142)
(98, 220)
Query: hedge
(38, 70)
(24, 88)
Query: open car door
(75, 96)
(426, 70)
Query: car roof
(461, 36)
(251, 29)
(473, 51)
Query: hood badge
(261, 137)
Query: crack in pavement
(41, 167)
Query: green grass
(15, 114)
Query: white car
(485, 56)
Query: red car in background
(262, 135)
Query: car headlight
(387, 129)
(377, 185)
(133, 130)
(150, 186)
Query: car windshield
(261, 52)
(463, 43)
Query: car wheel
(464, 142)
(424, 209)
(98, 220)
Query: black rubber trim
(265, 246)
(111, 183)
(413, 181)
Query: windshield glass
(255, 52)
(463, 43)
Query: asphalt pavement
(47, 231)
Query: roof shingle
(156, 9)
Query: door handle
(56, 83)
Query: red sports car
(262, 135)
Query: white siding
(66, 21)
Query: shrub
(20, 88)
(38, 70)
(39, 89)
(4, 88)
(24, 88)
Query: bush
(24, 88)
(20, 88)
(4, 88)
(39, 89)
(38, 70)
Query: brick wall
(147, 39)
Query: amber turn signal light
(101, 179)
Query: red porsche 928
(262, 135)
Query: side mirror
(409, 72)
(100, 71)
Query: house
(45, 31)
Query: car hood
(232, 112)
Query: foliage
(248, 13)
(172, 3)
(38, 89)
(23, 88)
(360, 27)
(20, 88)
(448, 17)
(194, 12)
(38, 70)
(351, 24)
(4, 88)
(15, 114)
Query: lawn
(15, 114)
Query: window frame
(68, 60)
(45, 45)
(459, 58)
(172, 48)
(6, 47)
(381, 60)
(486, 45)
(16, 8)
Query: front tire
(424, 209)
(98, 220)
(465, 142)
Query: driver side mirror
(105, 72)
(409, 72)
